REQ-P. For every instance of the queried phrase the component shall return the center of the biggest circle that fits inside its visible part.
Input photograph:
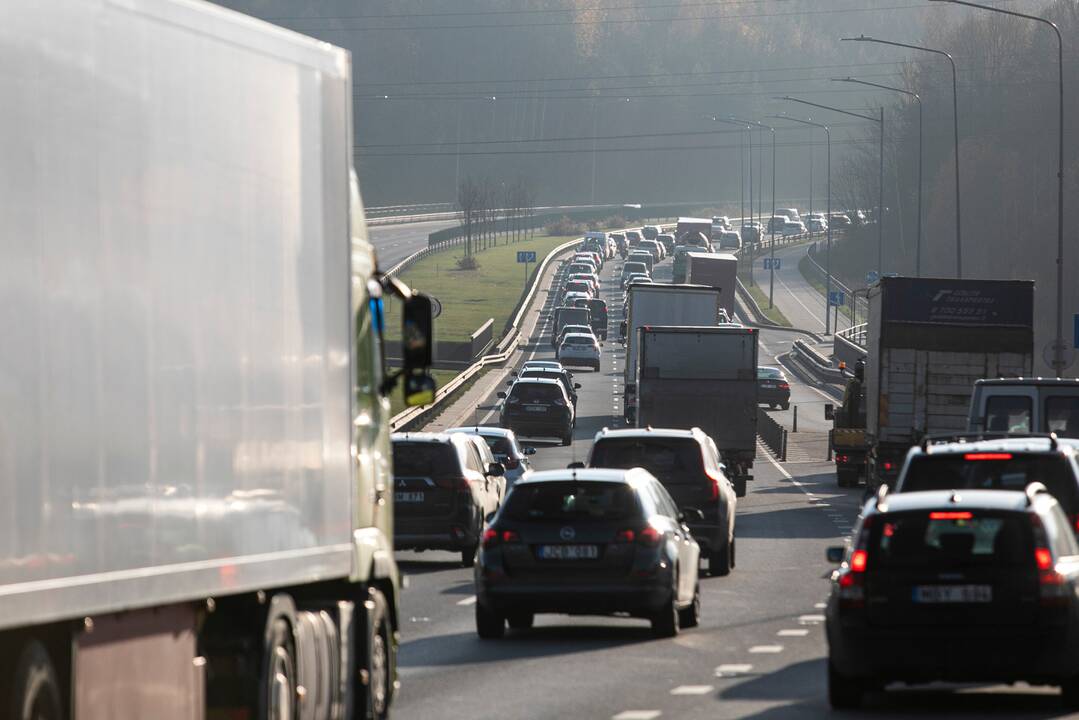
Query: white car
(579, 349)
(503, 444)
(729, 240)
(816, 225)
(793, 227)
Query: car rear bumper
(926, 654)
(773, 395)
(459, 531)
(592, 598)
(542, 428)
(578, 358)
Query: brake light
(510, 536)
(851, 578)
(648, 536)
(1043, 558)
(888, 465)
(1075, 522)
(714, 490)
(950, 515)
(784, 386)
(987, 456)
(490, 537)
(858, 561)
(625, 536)
(842, 458)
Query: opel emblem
(567, 533)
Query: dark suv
(1001, 464)
(687, 463)
(955, 586)
(537, 407)
(595, 542)
(442, 492)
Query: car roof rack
(930, 439)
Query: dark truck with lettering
(928, 341)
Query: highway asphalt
(760, 651)
(394, 243)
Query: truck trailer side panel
(175, 383)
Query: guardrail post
(783, 454)
(795, 418)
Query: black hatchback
(773, 387)
(587, 542)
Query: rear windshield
(424, 459)
(543, 375)
(572, 501)
(772, 373)
(499, 445)
(572, 316)
(672, 460)
(598, 307)
(1013, 471)
(534, 392)
(578, 341)
(950, 538)
(632, 267)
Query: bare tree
(469, 209)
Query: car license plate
(568, 552)
(535, 408)
(408, 497)
(932, 594)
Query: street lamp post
(1058, 350)
(955, 128)
(772, 264)
(880, 189)
(748, 127)
(828, 252)
(918, 99)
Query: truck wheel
(468, 555)
(376, 660)
(35, 693)
(277, 686)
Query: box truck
(716, 270)
(661, 304)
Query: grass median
(772, 313)
(470, 297)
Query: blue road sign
(837, 298)
(871, 277)
(526, 256)
(772, 263)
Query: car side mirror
(835, 554)
(829, 411)
(575, 466)
(509, 383)
(501, 395)
(576, 386)
(528, 450)
(513, 373)
(496, 469)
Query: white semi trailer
(195, 489)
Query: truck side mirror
(496, 469)
(829, 411)
(416, 333)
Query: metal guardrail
(772, 434)
(856, 334)
(861, 304)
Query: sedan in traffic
(773, 388)
(587, 542)
(580, 349)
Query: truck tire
(846, 478)
(375, 659)
(278, 681)
(468, 555)
(35, 692)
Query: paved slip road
(759, 652)
(394, 243)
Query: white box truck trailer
(662, 304)
(195, 496)
(715, 270)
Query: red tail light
(648, 536)
(625, 536)
(887, 465)
(1043, 558)
(987, 456)
(852, 577)
(492, 537)
(842, 458)
(784, 386)
(1075, 522)
(950, 515)
(714, 490)
(1053, 589)
(858, 561)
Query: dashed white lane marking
(470, 600)
(765, 649)
(733, 669)
(820, 606)
(692, 690)
(810, 619)
(637, 715)
(792, 633)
